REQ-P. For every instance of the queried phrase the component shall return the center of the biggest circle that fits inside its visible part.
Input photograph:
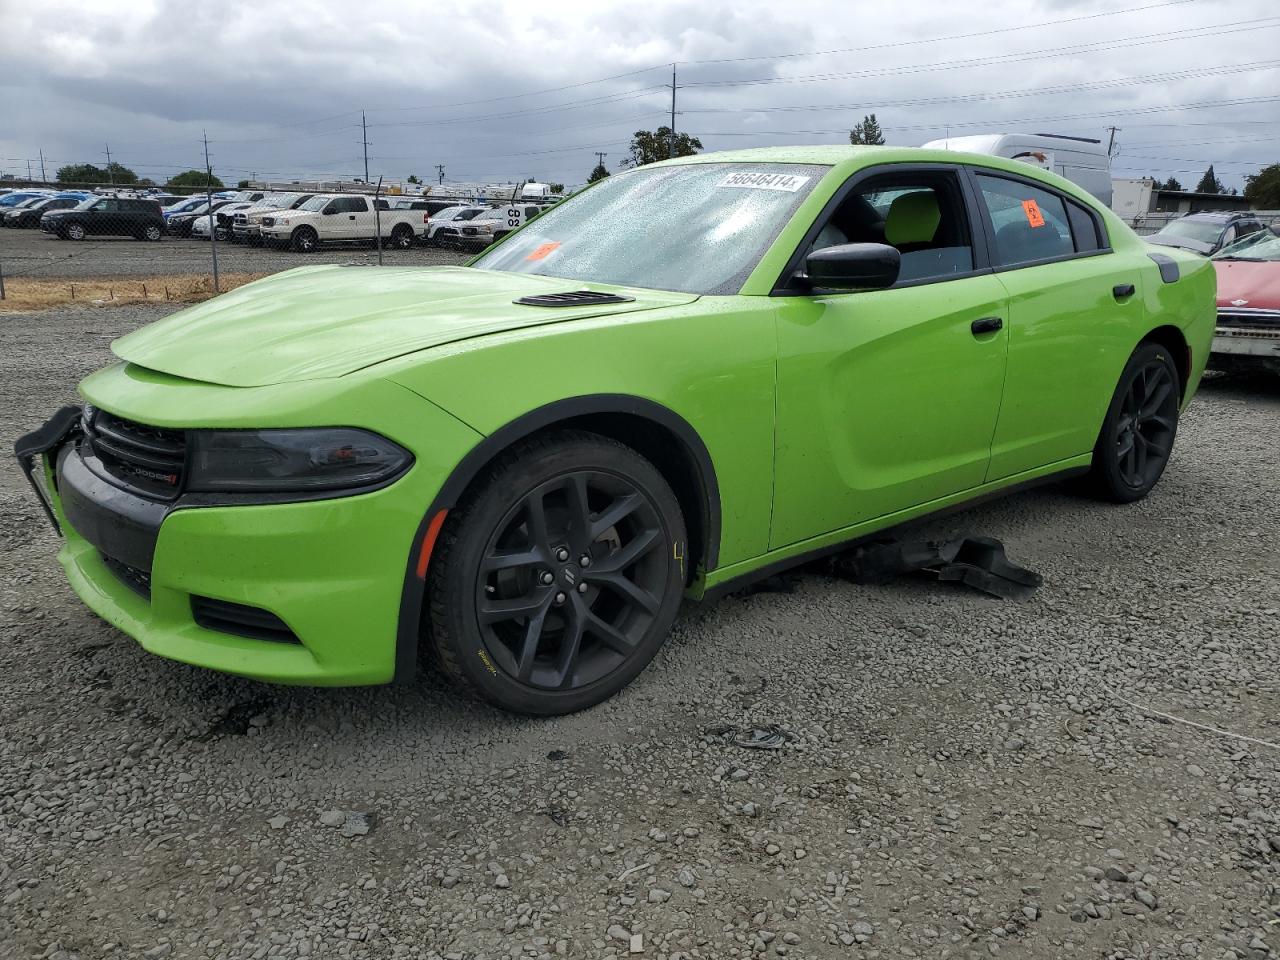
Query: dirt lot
(961, 777)
(33, 253)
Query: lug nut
(582, 588)
(562, 554)
(585, 560)
(546, 576)
(560, 598)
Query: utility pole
(28, 168)
(110, 174)
(440, 172)
(42, 176)
(600, 155)
(213, 232)
(671, 144)
(364, 139)
(1112, 142)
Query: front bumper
(1247, 333)
(331, 573)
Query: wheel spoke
(1129, 463)
(611, 636)
(579, 511)
(1160, 421)
(532, 635)
(636, 548)
(1125, 445)
(629, 590)
(571, 642)
(536, 517)
(1140, 457)
(1156, 398)
(510, 559)
(618, 511)
(514, 608)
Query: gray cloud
(279, 87)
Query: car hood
(327, 321)
(1258, 283)
(1185, 243)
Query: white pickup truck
(342, 218)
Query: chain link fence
(106, 242)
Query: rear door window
(1029, 224)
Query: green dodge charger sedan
(688, 375)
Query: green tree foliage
(413, 178)
(1262, 189)
(650, 146)
(243, 184)
(194, 179)
(557, 187)
(1172, 184)
(868, 132)
(81, 173)
(1210, 183)
(599, 173)
(118, 173)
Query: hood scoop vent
(573, 298)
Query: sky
(497, 91)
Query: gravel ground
(957, 776)
(34, 253)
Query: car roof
(1223, 215)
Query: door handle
(1122, 291)
(986, 325)
(351, 217)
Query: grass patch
(42, 293)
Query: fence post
(377, 215)
(1, 279)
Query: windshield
(1263, 245)
(1206, 231)
(694, 228)
(316, 203)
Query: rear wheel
(402, 237)
(305, 240)
(557, 580)
(1137, 435)
(151, 232)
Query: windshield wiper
(1247, 259)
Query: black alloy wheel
(559, 580)
(305, 240)
(1137, 437)
(151, 232)
(402, 237)
(74, 231)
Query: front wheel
(557, 580)
(73, 231)
(1137, 435)
(305, 240)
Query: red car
(1248, 333)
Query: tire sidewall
(300, 240)
(1106, 469)
(458, 577)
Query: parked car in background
(495, 223)
(1248, 330)
(107, 217)
(26, 216)
(179, 224)
(1207, 233)
(11, 200)
(524, 465)
(185, 205)
(246, 225)
(217, 222)
(341, 218)
(1082, 160)
(443, 227)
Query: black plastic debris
(977, 562)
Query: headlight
(329, 458)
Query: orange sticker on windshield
(1032, 210)
(540, 253)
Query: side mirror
(853, 266)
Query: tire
(619, 604)
(72, 231)
(1137, 436)
(402, 237)
(151, 233)
(304, 240)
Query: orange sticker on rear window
(540, 253)
(1032, 210)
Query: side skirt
(873, 529)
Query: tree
(651, 146)
(557, 188)
(1172, 184)
(81, 173)
(868, 132)
(1262, 189)
(1210, 183)
(118, 173)
(413, 178)
(599, 173)
(194, 179)
(243, 184)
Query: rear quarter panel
(1188, 303)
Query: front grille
(137, 580)
(149, 459)
(240, 620)
(1252, 319)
